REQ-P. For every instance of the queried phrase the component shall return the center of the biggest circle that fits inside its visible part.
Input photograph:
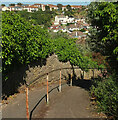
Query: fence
(59, 85)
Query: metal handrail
(60, 84)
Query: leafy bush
(22, 42)
(104, 33)
(106, 92)
(83, 30)
(67, 50)
(38, 17)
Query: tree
(59, 6)
(11, 4)
(47, 8)
(104, 38)
(104, 19)
(19, 4)
(68, 7)
(22, 42)
(68, 13)
(2, 5)
(67, 50)
(38, 17)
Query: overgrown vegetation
(39, 17)
(23, 42)
(106, 92)
(104, 39)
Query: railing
(59, 86)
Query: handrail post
(47, 90)
(60, 82)
(71, 79)
(93, 74)
(27, 105)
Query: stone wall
(36, 73)
(53, 64)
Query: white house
(15, 8)
(38, 5)
(71, 20)
(63, 29)
(61, 19)
(52, 7)
(43, 7)
(64, 7)
(5, 8)
(30, 8)
(75, 6)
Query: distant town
(74, 26)
(35, 7)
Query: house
(5, 8)
(15, 8)
(73, 27)
(63, 29)
(71, 19)
(38, 5)
(86, 31)
(54, 26)
(30, 8)
(76, 6)
(52, 7)
(55, 29)
(86, 25)
(77, 20)
(24, 5)
(64, 7)
(77, 34)
(61, 19)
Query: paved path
(16, 108)
(72, 102)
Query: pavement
(72, 102)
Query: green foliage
(47, 8)
(69, 24)
(19, 4)
(105, 18)
(67, 50)
(104, 34)
(11, 4)
(68, 13)
(39, 17)
(59, 6)
(68, 7)
(59, 34)
(0, 42)
(104, 38)
(21, 41)
(107, 95)
(3, 5)
(83, 30)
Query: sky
(45, 1)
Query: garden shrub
(106, 93)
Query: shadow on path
(79, 82)
(44, 97)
